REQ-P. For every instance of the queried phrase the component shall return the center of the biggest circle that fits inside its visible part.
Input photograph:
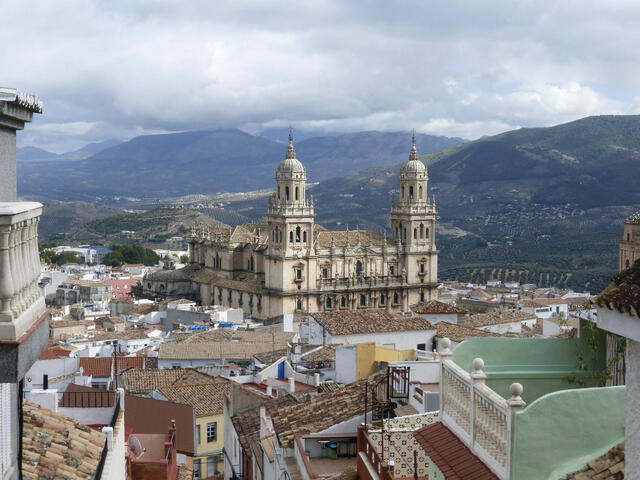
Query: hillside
(160, 166)
(61, 220)
(540, 202)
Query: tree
(184, 258)
(66, 257)
(121, 254)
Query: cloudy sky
(116, 69)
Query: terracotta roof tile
(368, 321)
(54, 352)
(496, 317)
(325, 353)
(141, 382)
(55, 446)
(609, 466)
(101, 366)
(623, 294)
(219, 350)
(435, 307)
(458, 333)
(206, 398)
(451, 456)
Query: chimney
(316, 379)
(45, 382)
(292, 385)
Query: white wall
(449, 318)
(396, 340)
(55, 368)
(346, 361)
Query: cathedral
(289, 264)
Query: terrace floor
(325, 466)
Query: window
(291, 236)
(358, 267)
(286, 192)
(421, 267)
(197, 427)
(325, 272)
(196, 468)
(363, 300)
(411, 193)
(382, 299)
(212, 466)
(298, 273)
(395, 299)
(422, 296)
(421, 230)
(212, 433)
(415, 233)
(420, 192)
(343, 302)
(297, 234)
(328, 303)
(304, 236)
(299, 304)
(392, 270)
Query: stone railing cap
(16, 208)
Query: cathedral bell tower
(413, 218)
(290, 218)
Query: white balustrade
(21, 302)
(480, 417)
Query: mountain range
(159, 166)
(35, 154)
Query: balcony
(23, 325)
(553, 431)
(359, 282)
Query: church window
(411, 192)
(404, 233)
(415, 233)
(420, 192)
(297, 193)
(304, 236)
(395, 299)
(392, 270)
(286, 192)
(363, 300)
(426, 233)
(421, 230)
(422, 296)
(299, 304)
(382, 299)
(358, 267)
(325, 272)
(297, 234)
(291, 236)
(343, 302)
(328, 303)
(298, 273)
(421, 267)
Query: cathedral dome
(290, 164)
(414, 164)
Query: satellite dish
(135, 447)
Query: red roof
(53, 353)
(101, 366)
(451, 456)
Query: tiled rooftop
(450, 455)
(228, 335)
(623, 294)
(458, 333)
(331, 238)
(270, 357)
(326, 353)
(609, 466)
(369, 321)
(57, 447)
(231, 351)
(54, 352)
(495, 317)
(141, 382)
(206, 398)
(101, 366)
(435, 307)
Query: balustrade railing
(21, 302)
(480, 417)
(360, 281)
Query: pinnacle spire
(291, 153)
(413, 155)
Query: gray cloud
(465, 68)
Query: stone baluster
(34, 256)
(22, 256)
(478, 377)
(16, 301)
(6, 275)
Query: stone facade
(290, 264)
(630, 242)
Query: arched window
(420, 192)
(422, 296)
(328, 303)
(392, 270)
(291, 236)
(421, 230)
(343, 302)
(415, 233)
(297, 193)
(395, 299)
(411, 192)
(299, 304)
(403, 192)
(363, 300)
(286, 192)
(426, 233)
(304, 236)
(404, 233)
(252, 265)
(421, 267)
(382, 299)
(358, 267)
(297, 234)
